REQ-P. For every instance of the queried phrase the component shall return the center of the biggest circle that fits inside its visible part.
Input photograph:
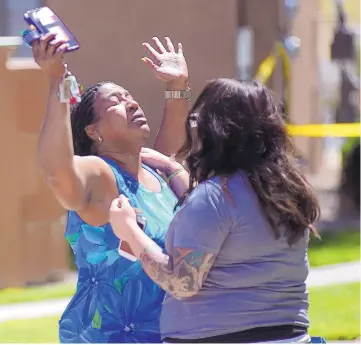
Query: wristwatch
(179, 94)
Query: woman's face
(120, 119)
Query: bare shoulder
(97, 171)
(89, 182)
(102, 189)
(93, 166)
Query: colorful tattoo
(182, 274)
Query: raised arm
(66, 174)
(169, 65)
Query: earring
(100, 139)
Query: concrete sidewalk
(321, 276)
(335, 274)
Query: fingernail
(143, 59)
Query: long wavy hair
(236, 126)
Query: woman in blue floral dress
(90, 155)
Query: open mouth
(139, 117)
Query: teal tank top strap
(128, 185)
(160, 179)
(121, 183)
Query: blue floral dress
(115, 300)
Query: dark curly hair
(82, 114)
(238, 126)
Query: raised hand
(167, 63)
(48, 53)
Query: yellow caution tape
(266, 68)
(264, 73)
(286, 62)
(342, 130)
(268, 65)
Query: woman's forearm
(178, 178)
(179, 183)
(181, 275)
(157, 265)
(171, 135)
(55, 147)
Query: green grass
(33, 294)
(44, 330)
(335, 311)
(335, 248)
(334, 314)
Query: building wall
(111, 34)
(111, 39)
(305, 91)
(265, 25)
(32, 246)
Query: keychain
(64, 88)
(69, 89)
(74, 89)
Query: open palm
(167, 64)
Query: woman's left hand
(122, 218)
(168, 64)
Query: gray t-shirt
(256, 280)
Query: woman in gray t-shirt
(236, 251)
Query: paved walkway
(334, 274)
(321, 276)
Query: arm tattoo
(182, 275)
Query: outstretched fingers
(180, 49)
(150, 63)
(169, 44)
(151, 50)
(159, 45)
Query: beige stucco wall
(32, 247)
(112, 50)
(110, 33)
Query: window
(244, 51)
(12, 22)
